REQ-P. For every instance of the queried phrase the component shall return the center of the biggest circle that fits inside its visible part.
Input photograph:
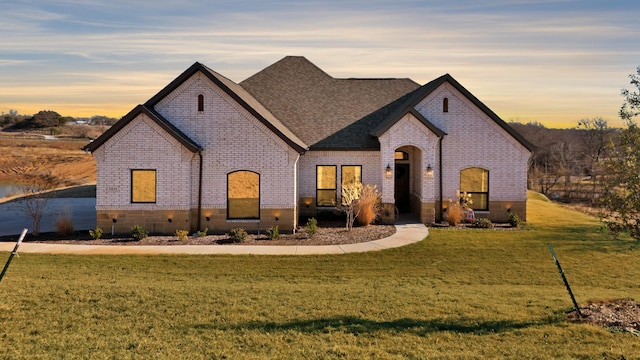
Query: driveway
(82, 211)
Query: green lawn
(458, 294)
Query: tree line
(47, 119)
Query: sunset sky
(554, 62)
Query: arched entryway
(407, 179)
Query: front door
(402, 194)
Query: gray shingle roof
(323, 111)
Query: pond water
(9, 189)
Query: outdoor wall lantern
(428, 172)
(207, 218)
(169, 219)
(388, 172)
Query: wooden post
(13, 253)
(564, 279)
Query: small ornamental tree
(350, 195)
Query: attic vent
(445, 105)
(200, 102)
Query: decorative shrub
(96, 234)
(514, 220)
(138, 232)
(64, 225)
(312, 226)
(182, 234)
(483, 223)
(454, 213)
(238, 235)
(368, 205)
(203, 232)
(273, 232)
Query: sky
(551, 62)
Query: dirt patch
(617, 315)
(63, 161)
(329, 233)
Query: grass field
(458, 294)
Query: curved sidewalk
(405, 234)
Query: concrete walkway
(406, 233)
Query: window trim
(477, 192)
(259, 185)
(335, 186)
(155, 184)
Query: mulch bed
(615, 315)
(329, 233)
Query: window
(200, 102)
(243, 195)
(475, 182)
(326, 185)
(351, 174)
(143, 186)
(445, 105)
(400, 155)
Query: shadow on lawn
(355, 325)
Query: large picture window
(475, 182)
(351, 174)
(143, 186)
(326, 180)
(243, 195)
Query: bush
(312, 226)
(273, 232)
(238, 235)
(138, 232)
(182, 234)
(64, 225)
(203, 232)
(96, 234)
(453, 214)
(368, 205)
(483, 223)
(514, 220)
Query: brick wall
(475, 140)
(232, 140)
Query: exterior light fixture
(169, 219)
(428, 172)
(388, 171)
(207, 218)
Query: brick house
(208, 152)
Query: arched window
(445, 105)
(474, 182)
(200, 102)
(243, 195)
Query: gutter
(199, 193)
(440, 177)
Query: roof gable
(241, 96)
(153, 115)
(412, 99)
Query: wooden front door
(402, 193)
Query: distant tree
(598, 136)
(46, 118)
(621, 197)
(102, 120)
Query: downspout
(199, 193)
(440, 175)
